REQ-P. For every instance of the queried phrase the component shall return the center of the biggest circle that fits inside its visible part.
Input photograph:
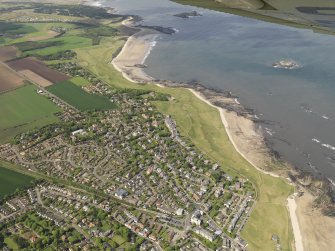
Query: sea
(235, 53)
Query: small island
(188, 14)
(286, 64)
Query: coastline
(136, 50)
(241, 130)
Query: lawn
(118, 239)
(11, 244)
(77, 97)
(202, 124)
(11, 180)
(23, 109)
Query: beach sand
(248, 141)
(318, 231)
(134, 54)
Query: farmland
(10, 181)
(35, 78)
(7, 53)
(23, 109)
(29, 32)
(9, 79)
(39, 68)
(53, 45)
(76, 96)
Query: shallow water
(235, 53)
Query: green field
(59, 44)
(202, 124)
(23, 109)
(77, 97)
(10, 181)
(79, 81)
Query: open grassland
(77, 97)
(23, 109)
(20, 32)
(79, 81)
(202, 124)
(11, 180)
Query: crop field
(9, 79)
(12, 29)
(39, 68)
(35, 78)
(76, 96)
(43, 31)
(53, 45)
(10, 181)
(23, 109)
(7, 53)
(19, 32)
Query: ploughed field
(10, 181)
(38, 68)
(7, 53)
(9, 79)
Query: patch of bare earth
(35, 78)
(9, 79)
(7, 53)
(39, 68)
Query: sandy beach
(247, 140)
(130, 61)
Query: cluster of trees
(60, 55)
(73, 69)
(99, 31)
(49, 234)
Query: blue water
(235, 53)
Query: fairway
(77, 97)
(23, 109)
(10, 181)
